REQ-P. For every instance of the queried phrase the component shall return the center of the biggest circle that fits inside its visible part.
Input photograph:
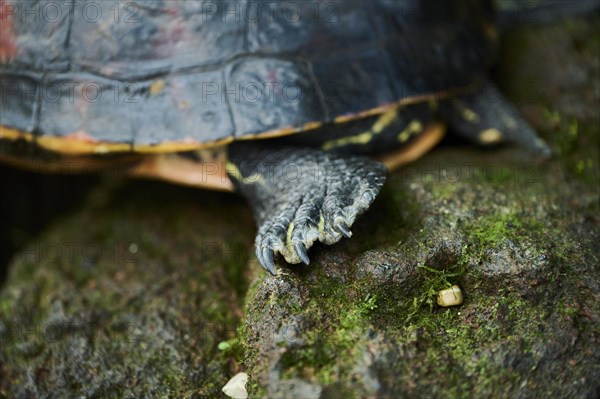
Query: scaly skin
(301, 195)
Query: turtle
(301, 107)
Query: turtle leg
(487, 118)
(301, 195)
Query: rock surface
(149, 290)
(127, 298)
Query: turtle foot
(487, 118)
(301, 196)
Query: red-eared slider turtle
(282, 97)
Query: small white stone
(236, 386)
(133, 248)
(450, 297)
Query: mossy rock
(519, 236)
(127, 298)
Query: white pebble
(236, 386)
(450, 297)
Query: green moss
(453, 345)
(452, 342)
(147, 309)
(6, 304)
(495, 228)
(433, 281)
(492, 230)
(567, 141)
(329, 355)
(444, 190)
(233, 348)
(413, 305)
(574, 147)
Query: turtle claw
(293, 214)
(266, 259)
(343, 228)
(300, 249)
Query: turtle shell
(174, 75)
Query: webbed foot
(301, 196)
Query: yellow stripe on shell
(414, 127)
(8, 133)
(235, 172)
(385, 120)
(361, 138)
